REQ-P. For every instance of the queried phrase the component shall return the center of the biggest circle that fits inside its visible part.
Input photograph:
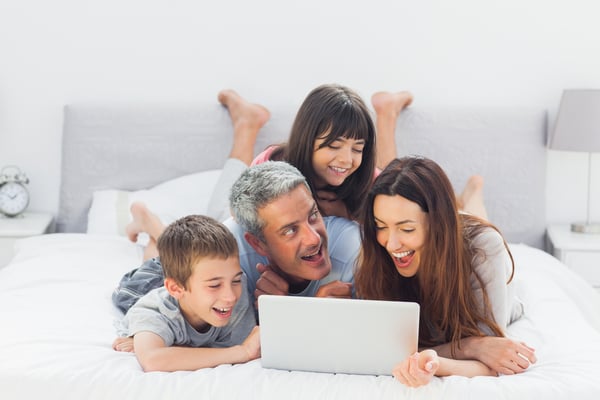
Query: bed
(58, 320)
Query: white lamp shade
(577, 126)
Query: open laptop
(367, 337)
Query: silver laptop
(367, 337)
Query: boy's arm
(153, 355)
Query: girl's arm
(419, 368)
(153, 355)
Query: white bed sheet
(57, 330)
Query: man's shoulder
(340, 226)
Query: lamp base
(583, 227)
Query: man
(285, 245)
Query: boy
(203, 316)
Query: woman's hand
(418, 369)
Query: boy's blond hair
(190, 239)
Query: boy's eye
(218, 285)
(236, 281)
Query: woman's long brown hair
(450, 310)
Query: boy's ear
(258, 245)
(174, 288)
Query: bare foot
(143, 220)
(391, 103)
(247, 119)
(387, 106)
(471, 199)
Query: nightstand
(579, 251)
(24, 225)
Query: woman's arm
(153, 355)
(419, 368)
(503, 355)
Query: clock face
(14, 198)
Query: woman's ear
(258, 245)
(174, 288)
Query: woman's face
(401, 229)
(336, 161)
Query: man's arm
(153, 355)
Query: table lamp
(577, 128)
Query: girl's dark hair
(340, 112)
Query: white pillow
(170, 200)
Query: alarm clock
(14, 196)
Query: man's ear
(174, 288)
(258, 245)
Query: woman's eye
(236, 281)
(379, 228)
(359, 151)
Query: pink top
(264, 156)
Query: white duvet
(57, 329)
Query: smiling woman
(418, 247)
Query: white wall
(467, 52)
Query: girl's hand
(418, 369)
(252, 344)
(330, 205)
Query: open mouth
(223, 312)
(403, 258)
(314, 256)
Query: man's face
(295, 238)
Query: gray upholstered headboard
(132, 147)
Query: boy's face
(212, 290)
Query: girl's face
(401, 229)
(336, 161)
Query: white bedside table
(579, 251)
(27, 224)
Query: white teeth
(339, 170)
(222, 310)
(402, 254)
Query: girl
(418, 247)
(332, 142)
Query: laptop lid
(332, 335)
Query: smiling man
(286, 246)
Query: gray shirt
(158, 312)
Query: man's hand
(337, 289)
(270, 282)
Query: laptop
(366, 337)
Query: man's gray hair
(258, 186)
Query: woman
(418, 247)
